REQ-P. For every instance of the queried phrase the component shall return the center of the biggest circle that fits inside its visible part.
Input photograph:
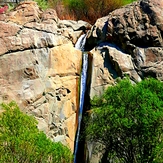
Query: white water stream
(80, 45)
(81, 42)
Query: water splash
(80, 44)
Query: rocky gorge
(40, 67)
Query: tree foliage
(22, 142)
(128, 120)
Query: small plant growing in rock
(43, 4)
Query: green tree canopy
(22, 142)
(128, 120)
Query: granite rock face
(40, 68)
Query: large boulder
(136, 30)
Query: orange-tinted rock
(25, 12)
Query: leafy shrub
(128, 120)
(22, 142)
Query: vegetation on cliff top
(88, 10)
(22, 142)
(128, 120)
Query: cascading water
(81, 42)
(80, 45)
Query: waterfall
(82, 93)
(80, 45)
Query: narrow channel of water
(80, 45)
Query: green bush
(128, 120)
(22, 142)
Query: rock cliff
(40, 68)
